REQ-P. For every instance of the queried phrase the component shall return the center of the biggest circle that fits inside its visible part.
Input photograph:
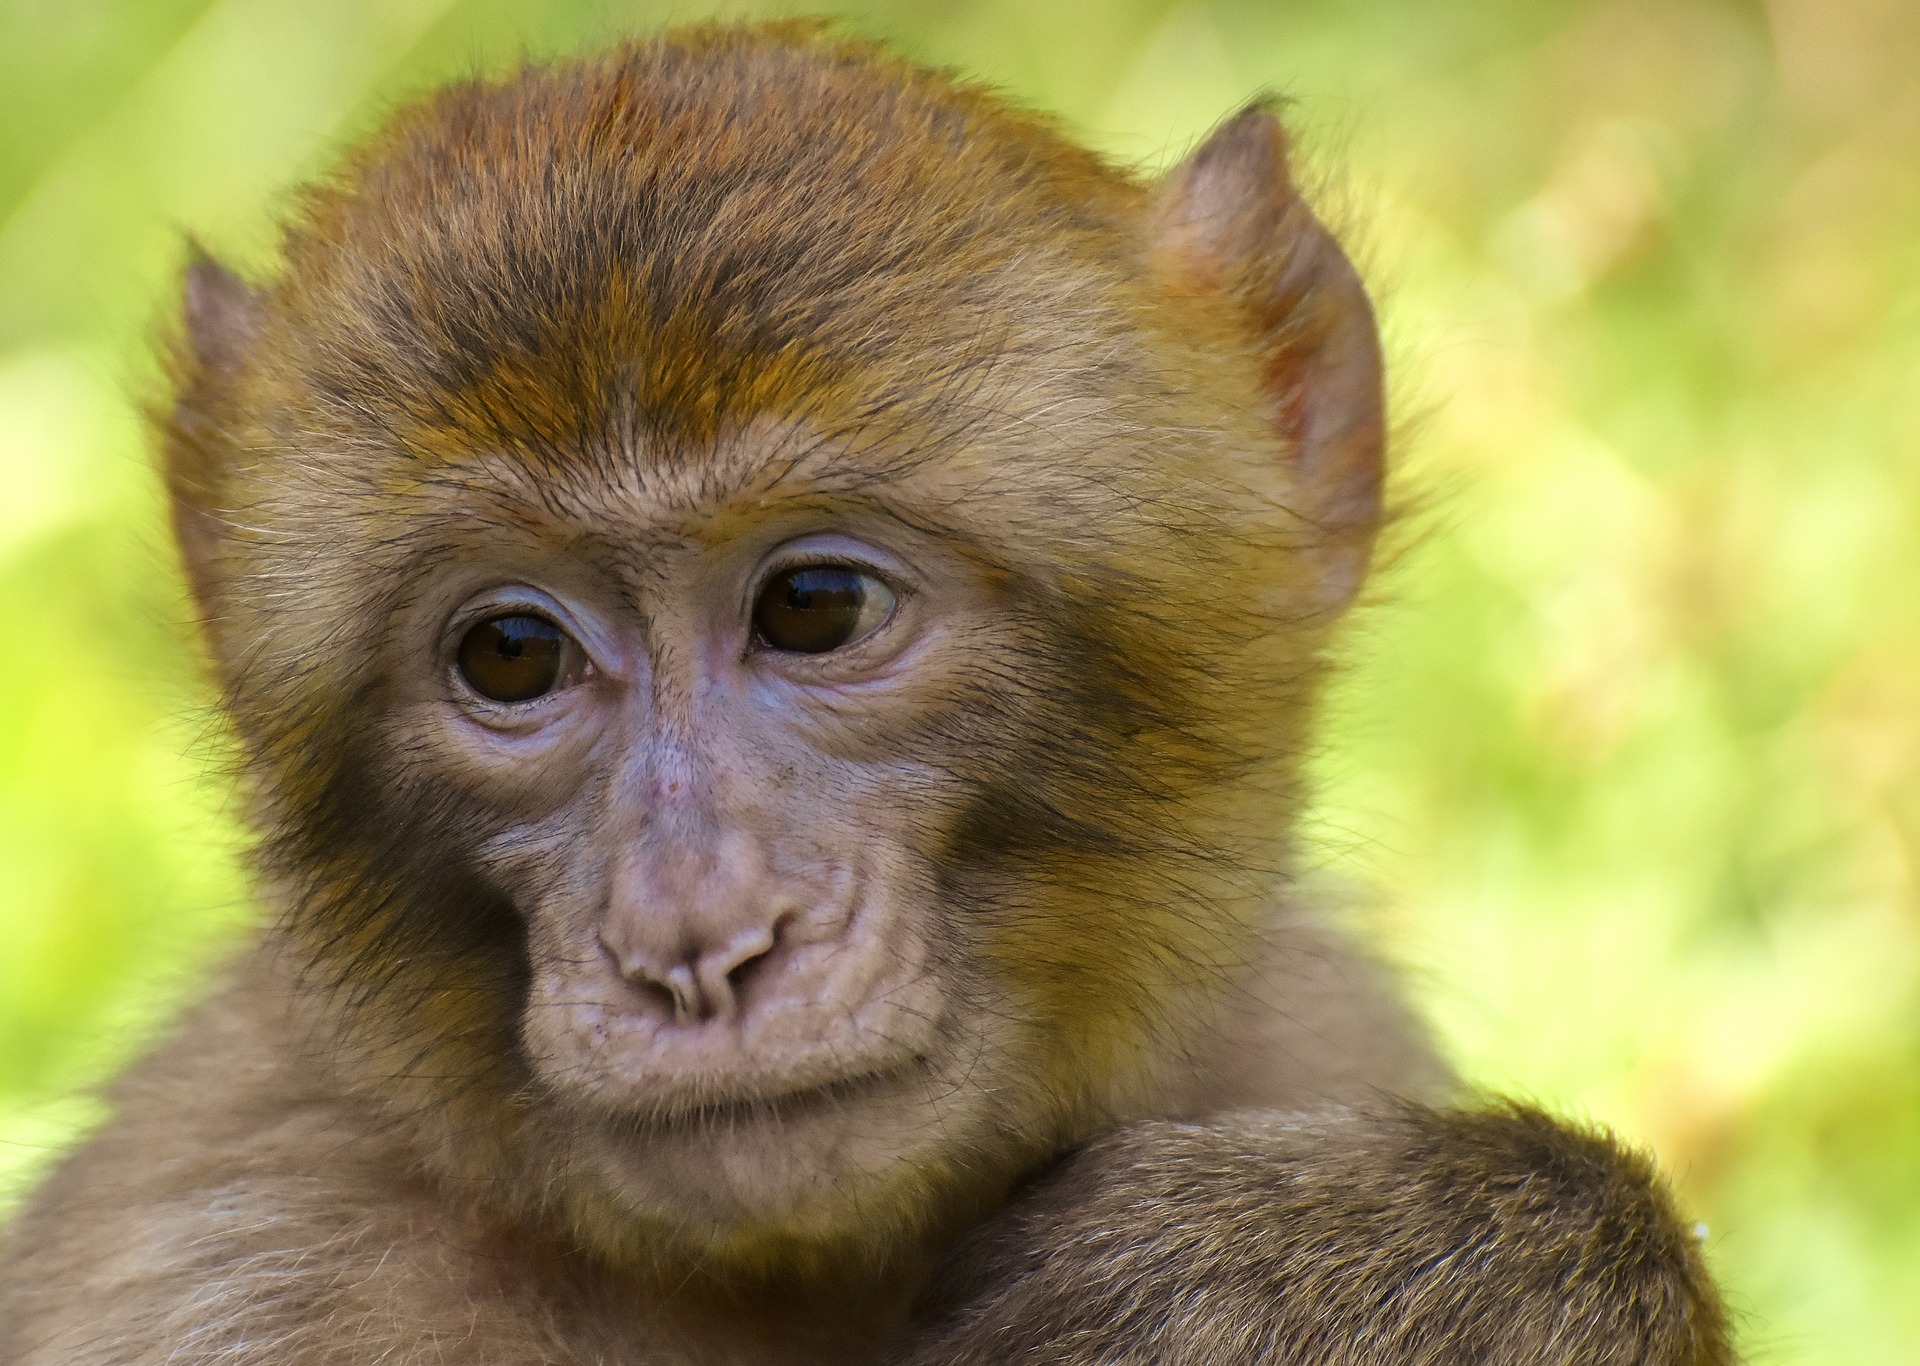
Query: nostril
(657, 993)
(725, 974)
(738, 975)
(671, 989)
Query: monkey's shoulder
(236, 1208)
(1316, 1020)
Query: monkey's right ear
(222, 317)
(1230, 224)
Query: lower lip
(782, 1108)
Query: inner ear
(1230, 220)
(221, 313)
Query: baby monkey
(772, 606)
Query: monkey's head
(771, 603)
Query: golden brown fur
(619, 329)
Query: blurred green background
(1629, 745)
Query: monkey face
(698, 750)
(790, 839)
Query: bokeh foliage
(1629, 747)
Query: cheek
(523, 775)
(553, 868)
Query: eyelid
(487, 608)
(802, 556)
(509, 600)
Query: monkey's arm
(1488, 1237)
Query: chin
(859, 1163)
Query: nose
(690, 923)
(696, 981)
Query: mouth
(727, 1105)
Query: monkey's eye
(820, 607)
(516, 657)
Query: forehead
(641, 253)
(1009, 488)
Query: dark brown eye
(515, 658)
(820, 607)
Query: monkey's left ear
(222, 318)
(1230, 220)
